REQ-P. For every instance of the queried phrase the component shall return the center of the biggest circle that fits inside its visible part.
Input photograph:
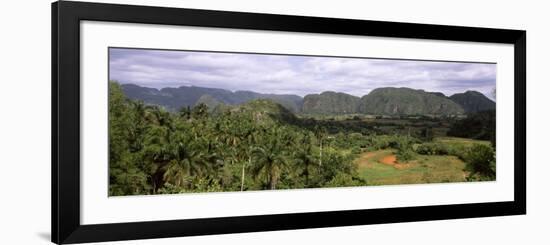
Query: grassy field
(381, 167)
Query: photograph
(194, 121)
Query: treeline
(154, 151)
(479, 125)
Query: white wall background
(25, 121)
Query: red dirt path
(390, 160)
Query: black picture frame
(66, 17)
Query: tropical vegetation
(261, 144)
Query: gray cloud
(301, 75)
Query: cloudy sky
(301, 75)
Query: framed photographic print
(175, 122)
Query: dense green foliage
(244, 148)
(210, 145)
(481, 162)
(480, 125)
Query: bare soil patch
(390, 160)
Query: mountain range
(380, 101)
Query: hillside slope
(473, 101)
(175, 98)
(406, 101)
(330, 103)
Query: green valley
(194, 139)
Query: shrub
(356, 150)
(343, 179)
(432, 149)
(404, 155)
(480, 160)
(458, 151)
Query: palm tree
(137, 126)
(320, 133)
(199, 111)
(156, 154)
(303, 157)
(185, 112)
(242, 173)
(187, 163)
(270, 159)
(160, 116)
(233, 134)
(251, 139)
